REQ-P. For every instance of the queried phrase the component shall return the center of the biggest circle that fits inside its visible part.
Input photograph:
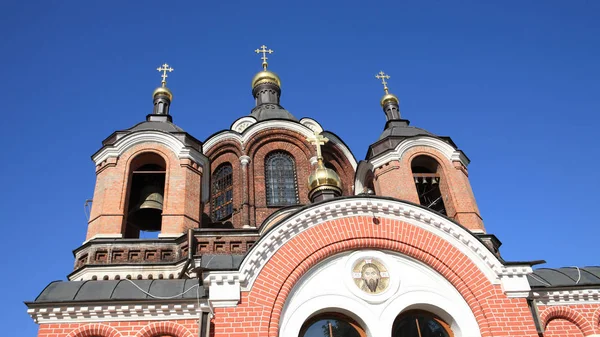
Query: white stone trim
(446, 149)
(104, 236)
(364, 167)
(566, 297)
(166, 139)
(112, 271)
(224, 289)
(241, 124)
(274, 124)
(133, 311)
(457, 236)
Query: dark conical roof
(271, 111)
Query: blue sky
(515, 83)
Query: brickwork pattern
(178, 328)
(261, 309)
(570, 320)
(395, 179)
(181, 208)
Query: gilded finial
(164, 68)
(318, 140)
(263, 49)
(382, 76)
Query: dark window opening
(331, 325)
(427, 181)
(420, 324)
(146, 196)
(280, 176)
(222, 193)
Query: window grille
(222, 192)
(280, 176)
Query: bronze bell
(147, 215)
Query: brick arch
(284, 269)
(277, 135)
(164, 328)
(95, 329)
(223, 146)
(569, 314)
(596, 319)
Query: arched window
(331, 325)
(280, 176)
(222, 192)
(417, 323)
(427, 180)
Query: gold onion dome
(324, 178)
(164, 91)
(265, 76)
(389, 97)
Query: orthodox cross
(164, 68)
(318, 140)
(382, 76)
(263, 49)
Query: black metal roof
(401, 128)
(114, 290)
(159, 126)
(271, 111)
(564, 277)
(221, 261)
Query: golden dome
(265, 76)
(323, 178)
(389, 97)
(163, 90)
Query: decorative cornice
(512, 278)
(566, 297)
(254, 128)
(124, 311)
(166, 139)
(446, 149)
(147, 271)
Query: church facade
(273, 228)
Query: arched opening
(145, 195)
(222, 193)
(331, 324)
(417, 323)
(280, 179)
(426, 173)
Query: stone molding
(566, 297)
(446, 149)
(253, 129)
(118, 312)
(512, 278)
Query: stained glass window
(222, 192)
(280, 175)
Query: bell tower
(149, 177)
(412, 164)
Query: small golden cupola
(266, 89)
(323, 183)
(162, 96)
(389, 102)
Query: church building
(273, 228)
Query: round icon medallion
(370, 275)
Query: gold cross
(164, 68)
(382, 76)
(263, 49)
(318, 140)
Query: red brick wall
(181, 209)
(176, 328)
(261, 309)
(570, 320)
(395, 179)
(252, 188)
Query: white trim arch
(168, 140)
(512, 278)
(320, 291)
(446, 149)
(255, 128)
(364, 167)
